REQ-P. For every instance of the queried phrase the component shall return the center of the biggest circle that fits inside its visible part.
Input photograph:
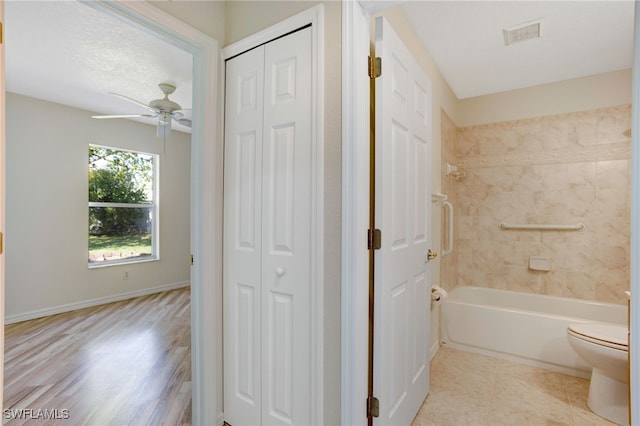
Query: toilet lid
(611, 335)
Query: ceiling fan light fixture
(164, 118)
(163, 130)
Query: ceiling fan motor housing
(165, 105)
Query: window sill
(98, 265)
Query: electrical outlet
(125, 275)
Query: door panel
(267, 248)
(402, 285)
(280, 358)
(243, 238)
(281, 190)
(286, 267)
(245, 319)
(399, 175)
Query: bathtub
(521, 327)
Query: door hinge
(374, 239)
(1, 33)
(191, 260)
(1, 243)
(375, 67)
(373, 406)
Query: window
(123, 212)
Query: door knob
(279, 271)
(431, 255)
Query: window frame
(154, 205)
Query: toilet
(605, 348)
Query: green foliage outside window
(117, 176)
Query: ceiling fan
(164, 109)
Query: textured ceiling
(67, 52)
(72, 54)
(578, 38)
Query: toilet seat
(609, 335)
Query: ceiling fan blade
(185, 122)
(122, 116)
(182, 116)
(143, 105)
(180, 113)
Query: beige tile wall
(449, 263)
(556, 169)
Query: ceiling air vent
(521, 32)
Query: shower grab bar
(438, 198)
(509, 226)
(449, 209)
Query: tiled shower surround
(560, 169)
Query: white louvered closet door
(267, 235)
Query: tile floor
(471, 389)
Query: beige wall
(206, 16)
(580, 94)
(449, 263)
(248, 17)
(47, 216)
(245, 18)
(332, 210)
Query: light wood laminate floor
(126, 362)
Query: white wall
(47, 216)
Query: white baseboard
(434, 349)
(10, 319)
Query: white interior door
(267, 248)
(402, 201)
(243, 237)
